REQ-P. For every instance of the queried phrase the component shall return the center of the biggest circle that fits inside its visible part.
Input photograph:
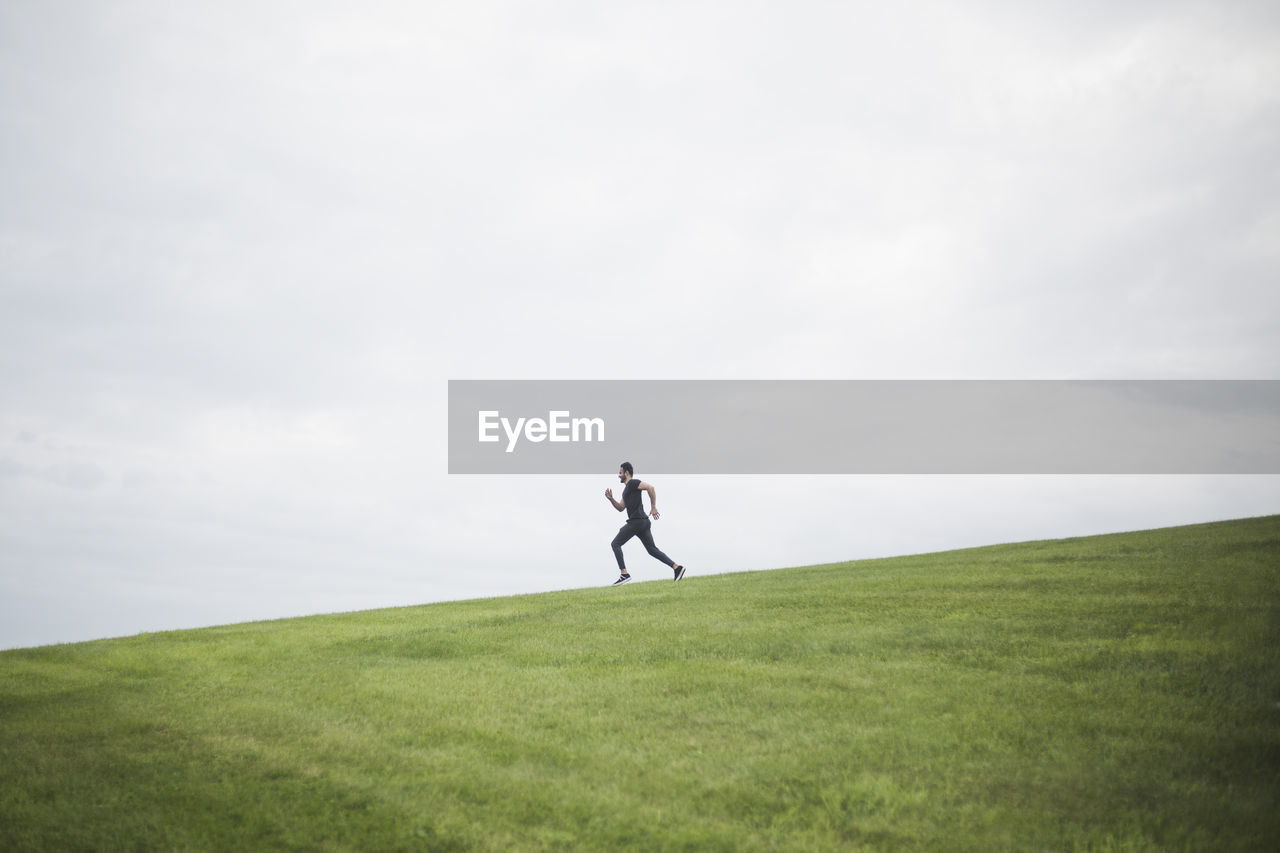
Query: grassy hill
(1115, 692)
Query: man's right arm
(618, 505)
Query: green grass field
(1115, 692)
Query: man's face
(622, 475)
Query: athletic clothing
(641, 529)
(638, 525)
(631, 499)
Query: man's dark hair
(626, 466)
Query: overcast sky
(244, 246)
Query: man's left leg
(646, 537)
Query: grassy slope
(1113, 692)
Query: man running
(638, 523)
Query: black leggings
(640, 528)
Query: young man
(638, 523)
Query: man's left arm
(653, 498)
